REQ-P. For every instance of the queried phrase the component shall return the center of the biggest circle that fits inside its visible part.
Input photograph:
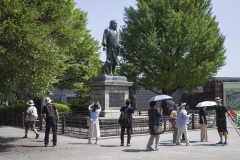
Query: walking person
(30, 120)
(203, 124)
(173, 118)
(51, 117)
(221, 121)
(154, 119)
(94, 129)
(127, 111)
(181, 123)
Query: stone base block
(110, 113)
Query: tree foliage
(43, 43)
(171, 44)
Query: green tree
(171, 44)
(43, 43)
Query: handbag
(88, 121)
(157, 129)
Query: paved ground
(13, 146)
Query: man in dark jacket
(128, 111)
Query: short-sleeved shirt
(44, 110)
(94, 115)
(221, 112)
(130, 111)
(173, 114)
(31, 109)
(202, 114)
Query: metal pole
(63, 120)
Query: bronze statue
(110, 43)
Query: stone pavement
(13, 146)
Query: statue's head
(113, 24)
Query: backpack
(33, 113)
(124, 119)
(50, 111)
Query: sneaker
(37, 136)
(122, 144)
(46, 145)
(178, 144)
(128, 144)
(188, 144)
(149, 149)
(224, 144)
(220, 142)
(25, 136)
(89, 142)
(54, 145)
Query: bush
(62, 107)
(77, 108)
(11, 109)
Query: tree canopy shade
(171, 44)
(44, 42)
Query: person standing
(221, 121)
(31, 116)
(110, 43)
(154, 119)
(94, 129)
(203, 124)
(128, 111)
(181, 123)
(173, 118)
(51, 117)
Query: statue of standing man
(110, 43)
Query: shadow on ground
(4, 145)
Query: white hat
(181, 104)
(30, 102)
(48, 100)
(218, 99)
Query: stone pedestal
(111, 92)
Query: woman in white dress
(94, 129)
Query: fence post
(63, 122)
(165, 123)
(22, 120)
(40, 121)
(193, 126)
(7, 118)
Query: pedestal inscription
(116, 99)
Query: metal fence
(76, 124)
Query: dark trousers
(129, 129)
(51, 124)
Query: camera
(95, 102)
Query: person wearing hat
(128, 110)
(51, 116)
(30, 120)
(181, 123)
(221, 122)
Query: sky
(100, 12)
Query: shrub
(19, 108)
(62, 107)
